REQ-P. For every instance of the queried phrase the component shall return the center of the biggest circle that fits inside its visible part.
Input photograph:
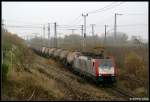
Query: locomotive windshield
(106, 66)
(106, 63)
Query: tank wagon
(71, 57)
(51, 51)
(57, 53)
(94, 66)
(46, 51)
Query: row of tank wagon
(99, 69)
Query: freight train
(97, 67)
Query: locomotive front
(105, 70)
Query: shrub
(5, 68)
(133, 63)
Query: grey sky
(65, 13)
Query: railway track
(137, 81)
(122, 92)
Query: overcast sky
(134, 18)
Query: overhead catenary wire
(23, 26)
(68, 29)
(136, 14)
(130, 25)
(100, 8)
(125, 25)
(75, 19)
(68, 26)
(133, 25)
(33, 23)
(105, 8)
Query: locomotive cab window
(106, 64)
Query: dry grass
(49, 61)
(21, 86)
(141, 91)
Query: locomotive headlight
(100, 74)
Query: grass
(20, 86)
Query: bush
(133, 63)
(5, 68)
